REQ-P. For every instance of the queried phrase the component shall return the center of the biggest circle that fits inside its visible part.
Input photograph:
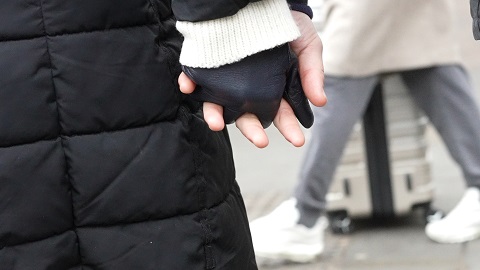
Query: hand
(248, 124)
(308, 49)
(254, 85)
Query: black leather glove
(256, 84)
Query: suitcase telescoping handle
(378, 158)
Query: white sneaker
(278, 236)
(461, 224)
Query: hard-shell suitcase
(384, 171)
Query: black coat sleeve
(475, 11)
(203, 10)
(298, 1)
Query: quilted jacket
(103, 163)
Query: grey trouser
(444, 93)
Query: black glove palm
(256, 84)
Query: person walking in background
(475, 12)
(104, 164)
(362, 41)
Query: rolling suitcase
(384, 172)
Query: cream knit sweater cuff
(257, 27)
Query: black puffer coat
(475, 10)
(103, 165)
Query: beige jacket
(366, 37)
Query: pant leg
(446, 96)
(347, 101)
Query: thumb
(308, 48)
(310, 65)
(187, 86)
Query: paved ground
(267, 177)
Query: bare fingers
(288, 126)
(248, 124)
(308, 48)
(187, 86)
(252, 129)
(213, 115)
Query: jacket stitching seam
(39, 239)
(171, 60)
(67, 176)
(201, 199)
(223, 201)
(91, 133)
(45, 34)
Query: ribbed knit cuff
(257, 27)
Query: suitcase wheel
(432, 214)
(429, 213)
(340, 223)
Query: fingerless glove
(255, 84)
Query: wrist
(257, 27)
